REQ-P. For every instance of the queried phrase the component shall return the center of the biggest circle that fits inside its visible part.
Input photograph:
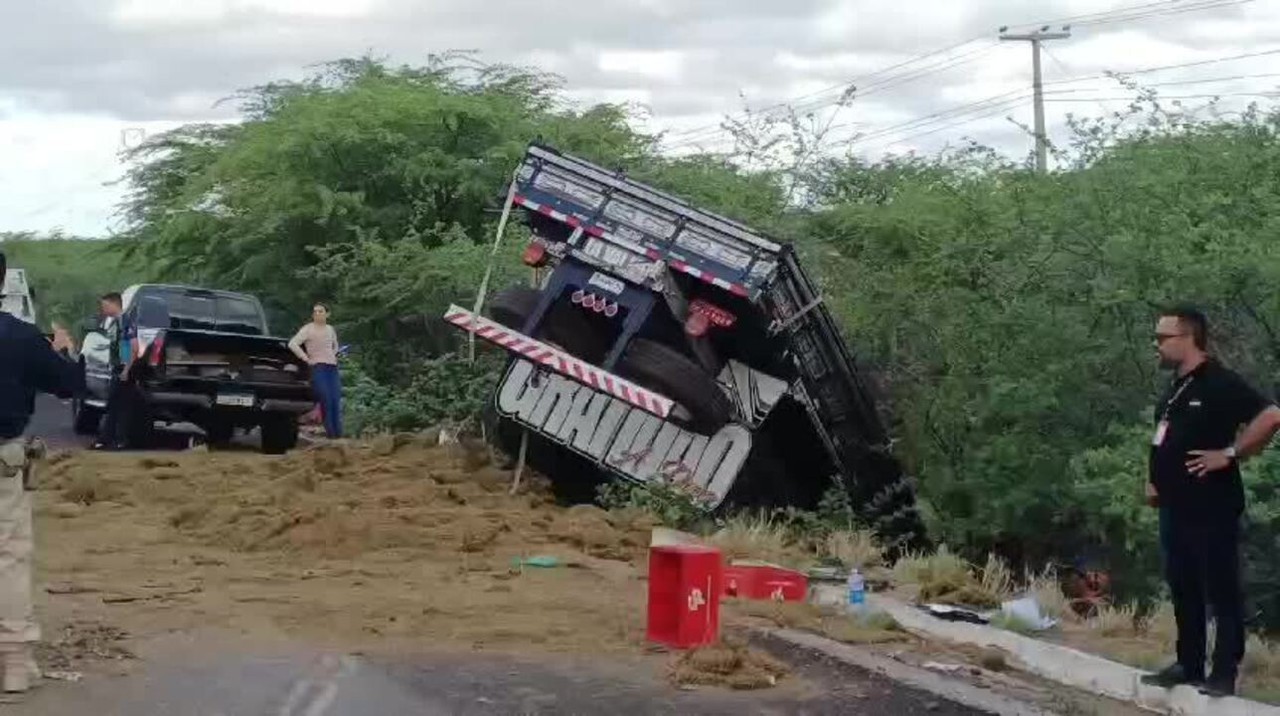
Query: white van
(17, 297)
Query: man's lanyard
(1162, 427)
(1168, 406)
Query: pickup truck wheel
(564, 327)
(85, 419)
(279, 433)
(701, 405)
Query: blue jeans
(328, 386)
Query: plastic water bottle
(857, 591)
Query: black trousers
(1203, 567)
(116, 420)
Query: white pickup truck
(17, 297)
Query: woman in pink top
(317, 344)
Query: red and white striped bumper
(559, 361)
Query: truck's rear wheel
(279, 433)
(701, 405)
(564, 326)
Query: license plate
(608, 283)
(237, 401)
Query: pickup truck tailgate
(210, 365)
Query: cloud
(90, 68)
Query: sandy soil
(352, 544)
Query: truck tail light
(717, 316)
(157, 350)
(696, 324)
(535, 254)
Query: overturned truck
(664, 341)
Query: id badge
(1161, 430)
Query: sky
(82, 79)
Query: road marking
(313, 696)
(322, 702)
(295, 696)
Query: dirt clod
(67, 510)
(731, 665)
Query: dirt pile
(393, 541)
(733, 665)
(340, 501)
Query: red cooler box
(684, 595)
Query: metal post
(1037, 85)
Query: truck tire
(701, 405)
(564, 326)
(279, 433)
(85, 418)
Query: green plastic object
(544, 562)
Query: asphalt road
(229, 675)
(52, 421)
(190, 676)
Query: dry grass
(857, 548)
(1117, 621)
(945, 577)
(747, 536)
(874, 628)
(997, 578)
(1160, 625)
(731, 665)
(1047, 590)
(1262, 660)
(921, 569)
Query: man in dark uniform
(29, 362)
(1194, 476)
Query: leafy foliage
(69, 274)
(448, 389)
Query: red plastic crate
(765, 581)
(684, 595)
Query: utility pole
(1035, 38)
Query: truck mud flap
(615, 437)
(551, 358)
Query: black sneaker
(1171, 676)
(1219, 686)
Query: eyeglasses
(1162, 337)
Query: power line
(1197, 7)
(695, 136)
(844, 87)
(1166, 97)
(972, 111)
(690, 136)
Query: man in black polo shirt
(1195, 477)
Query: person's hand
(1203, 462)
(1153, 497)
(124, 373)
(62, 340)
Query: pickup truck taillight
(157, 350)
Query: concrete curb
(1059, 663)
(944, 688)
